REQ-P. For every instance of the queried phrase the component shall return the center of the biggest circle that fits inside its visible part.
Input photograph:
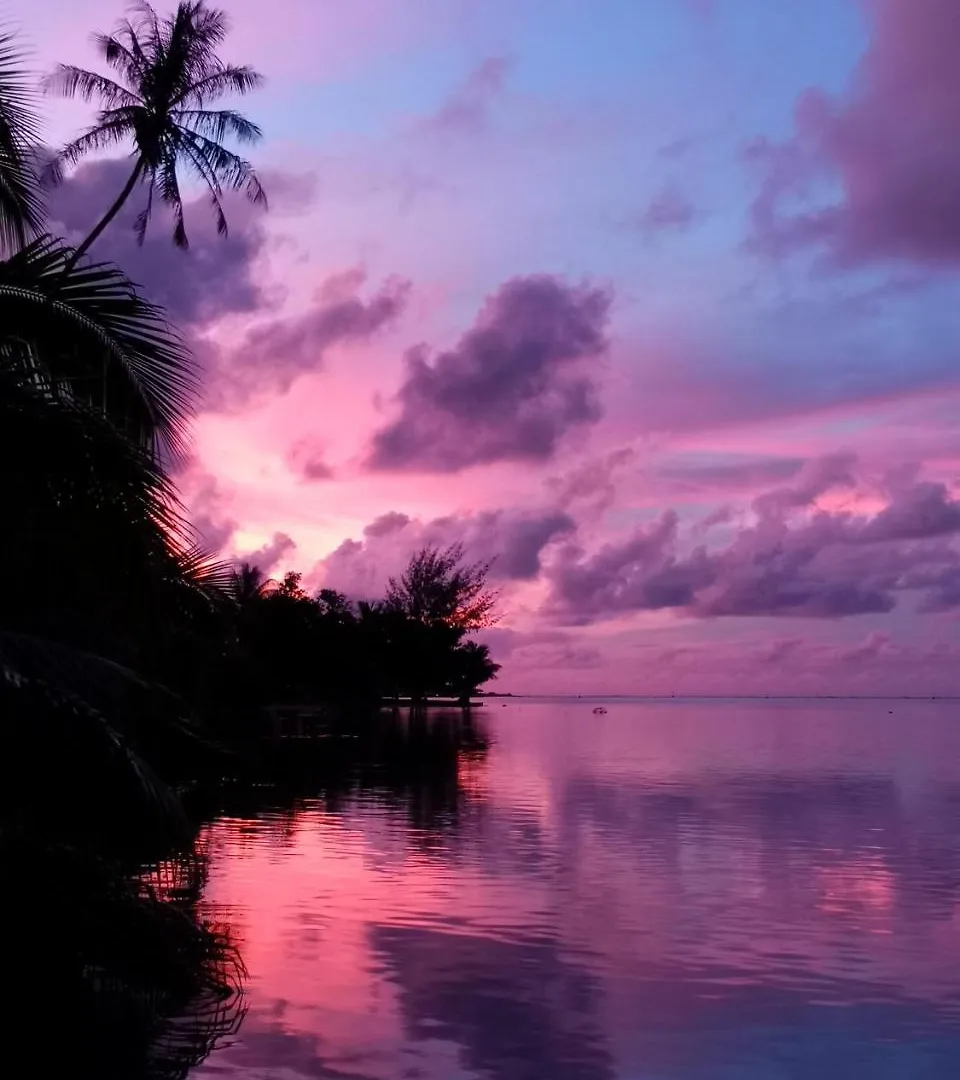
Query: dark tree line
(126, 650)
(286, 645)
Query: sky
(654, 303)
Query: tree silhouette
(169, 73)
(248, 584)
(438, 587)
(20, 203)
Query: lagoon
(669, 890)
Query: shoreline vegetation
(136, 669)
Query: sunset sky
(656, 302)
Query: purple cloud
(593, 483)
(795, 560)
(275, 353)
(641, 573)
(669, 211)
(214, 529)
(918, 512)
(386, 524)
(268, 557)
(891, 144)
(467, 109)
(700, 473)
(510, 389)
(214, 278)
(815, 478)
(306, 459)
(512, 541)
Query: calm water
(678, 890)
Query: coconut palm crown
(168, 77)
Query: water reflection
(110, 968)
(673, 891)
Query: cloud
(510, 389)
(816, 478)
(513, 541)
(213, 527)
(795, 559)
(514, 1007)
(467, 109)
(669, 211)
(701, 473)
(386, 524)
(269, 557)
(917, 512)
(591, 485)
(275, 353)
(306, 459)
(641, 573)
(215, 277)
(890, 145)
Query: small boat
(599, 711)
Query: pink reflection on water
(675, 885)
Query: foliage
(105, 597)
(20, 203)
(84, 336)
(290, 645)
(438, 587)
(123, 644)
(136, 984)
(168, 73)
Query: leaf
(89, 333)
(21, 207)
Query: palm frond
(69, 81)
(49, 730)
(201, 167)
(92, 334)
(204, 571)
(21, 207)
(143, 218)
(230, 169)
(169, 186)
(195, 33)
(171, 70)
(227, 79)
(146, 987)
(111, 133)
(120, 57)
(219, 124)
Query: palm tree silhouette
(249, 584)
(95, 393)
(168, 74)
(20, 205)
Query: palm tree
(85, 334)
(93, 384)
(95, 391)
(249, 584)
(168, 75)
(20, 205)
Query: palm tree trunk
(107, 217)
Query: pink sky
(659, 309)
